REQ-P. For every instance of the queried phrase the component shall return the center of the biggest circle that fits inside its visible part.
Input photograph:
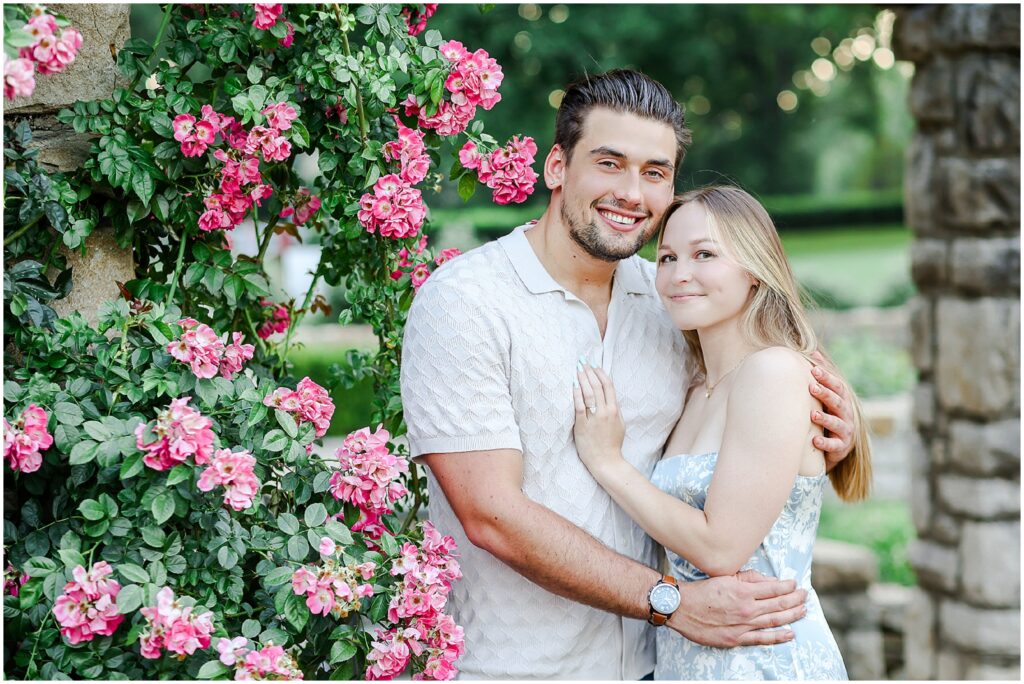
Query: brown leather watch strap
(658, 619)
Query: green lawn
(883, 526)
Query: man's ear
(554, 168)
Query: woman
(740, 484)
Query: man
(557, 579)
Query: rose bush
(166, 514)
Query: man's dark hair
(621, 90)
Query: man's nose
(628, 189)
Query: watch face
(665, 599)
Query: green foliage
(883, 526)
(94, 498)
(875, 369)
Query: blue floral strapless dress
(785, 553)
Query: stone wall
(91, 76)
(962, 196)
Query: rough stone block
(921, 505)
(846, 610)
(984, 631)
(979, 498)
(985, 26)
(919, 638)
(985, 448)
(978, 360)
(94, 275)
(928, 263)
(937, 566)
(92, 75)
(949, 665)
(921, 332)
(988, 92)
(931, 93)
(892, 601)
(979, 669)
(914, 34)
(918, 180)
(990, 558)
(924, 405)
(986, 266)
(976, 194)
(839, 566)
(945, 528)
(864, 655)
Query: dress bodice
(785, 553)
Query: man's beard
(589, 238)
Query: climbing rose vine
(171, 511)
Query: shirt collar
(537, 279)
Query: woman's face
(701, 287)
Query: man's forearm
(566, 560)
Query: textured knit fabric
(488, 362)
(785, 553)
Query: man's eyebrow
(612, 152)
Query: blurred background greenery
(805, 106)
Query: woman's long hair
(774, 315)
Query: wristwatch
(663, 599)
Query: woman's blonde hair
(774, 315)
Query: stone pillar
(962, 196)
(91, 76)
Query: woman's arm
(765, 436)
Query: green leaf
(288, 523)
(153, 536)
(258, 413)
(129, 599)
(298, 548)
(227, 557)
(287, 422)
(68, 413)
(432, 38)
(131, 466)
(133, 573)
(109, 505)
(40, 566)
(97, 528)
(278, 576)
(29, 594)
(342, 650)
(389, 545)
(71, 557)
(338, 532)
(179, 473)
(83, 452)
(161, 125)
(163, 507)
(251, 629)
(299, 134)
(142, 184)
(97, 430)
(253, 73)
(211, 669)
(275, 440)
(296, 612)
(467, 186)
(207, 392)
(234, 287)
(315, 515)
(92, 509)
(227, 52)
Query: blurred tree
(729, 65)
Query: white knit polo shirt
(488, 362)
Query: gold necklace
(710, 388)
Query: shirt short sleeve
(455, 374)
